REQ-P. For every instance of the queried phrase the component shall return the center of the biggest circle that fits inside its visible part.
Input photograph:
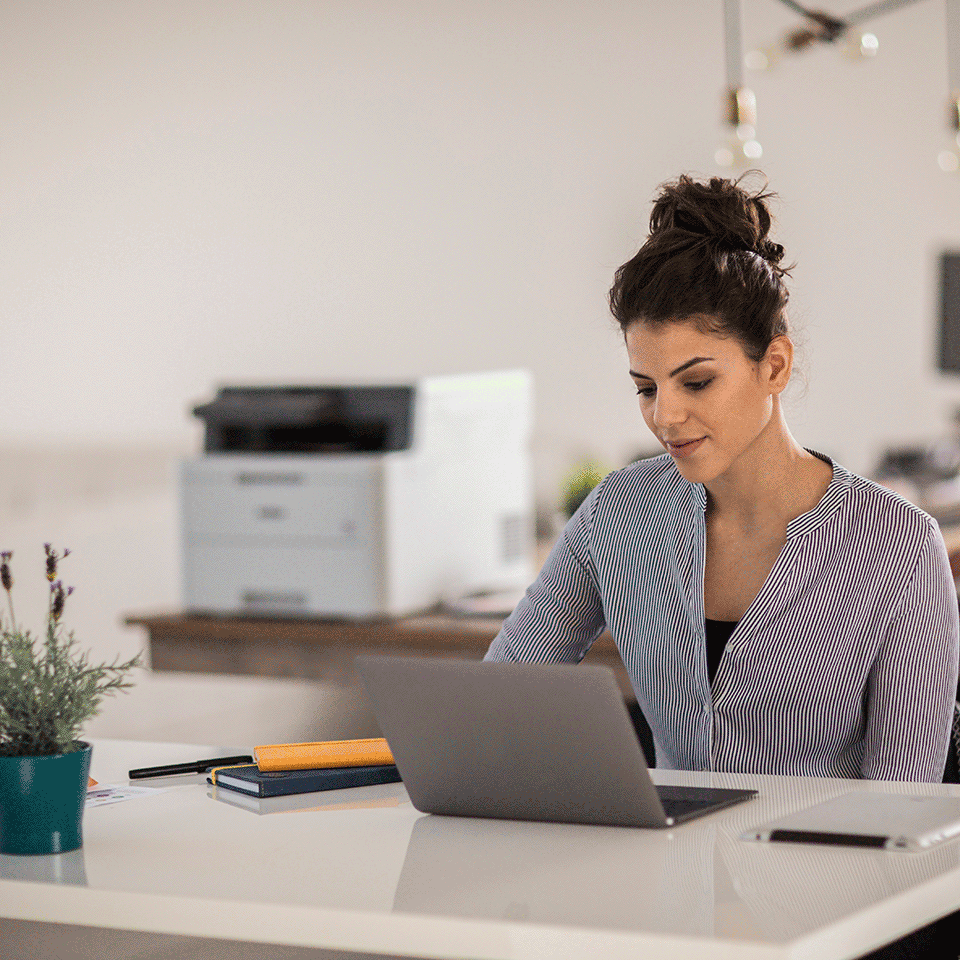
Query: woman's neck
(774, 481)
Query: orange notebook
(328, 753)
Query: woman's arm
(913, 684)
(561, 614)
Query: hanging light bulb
(860, 46)
(764, 58)
(740, 148)
(869, 45)
(949, 158)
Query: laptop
(548, 742)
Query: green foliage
(48, 688)
(578, 484)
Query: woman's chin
(696, 470)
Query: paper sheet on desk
(114, 793)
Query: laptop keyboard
(679, 801)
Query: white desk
(362, 870)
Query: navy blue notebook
(248, 778)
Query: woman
(775, 612)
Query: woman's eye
(646, 391)
(699, 384)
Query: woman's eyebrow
(673, 373)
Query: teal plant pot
(41, 801)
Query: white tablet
(890, 821)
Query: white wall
(195, 192)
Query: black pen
(197, 766)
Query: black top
(718, 633)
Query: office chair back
(951, 773)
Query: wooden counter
(320, 649)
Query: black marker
(197, 766)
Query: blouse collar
(828, 505)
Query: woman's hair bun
(719, 211)
(770, 251)
(709, 259)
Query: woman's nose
(668, 410)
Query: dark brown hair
(707, 258)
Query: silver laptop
(522, 742)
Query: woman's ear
(778, 363)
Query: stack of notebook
(286, 768)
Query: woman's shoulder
(887, 510)
(653, 478)
(646, 470)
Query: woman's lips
(681, 450)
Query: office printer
(358, 501)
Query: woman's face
(701, 396)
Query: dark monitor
(950, 312)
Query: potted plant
(48, 690)
(578, 484)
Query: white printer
(359, 501)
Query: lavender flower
(58, 597)
(6, 578)
(53, 558)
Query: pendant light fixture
(741, 147)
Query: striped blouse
(844, 665)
